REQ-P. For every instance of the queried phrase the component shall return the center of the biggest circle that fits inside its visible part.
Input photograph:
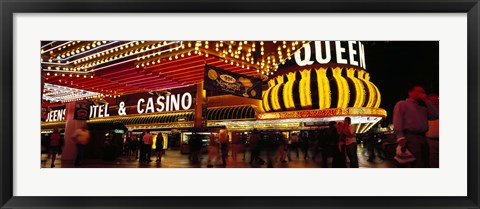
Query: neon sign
(173, 102)
(340, 52)
(56, 115)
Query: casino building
(171, 87)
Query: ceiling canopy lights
(56, 93)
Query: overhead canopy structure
(115, 68)
(309, 82)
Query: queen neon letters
(340, 52)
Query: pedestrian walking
(159, 147)
(223, 139)
(410, 120)
(147, 142)
(350, 142)
(293, 146)
(55, 140)
(82, 138)
(213, 150)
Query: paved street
(174, 159)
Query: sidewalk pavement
(174, 159)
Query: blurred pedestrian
(82, 137)
(410, 120)
(147, 143)
(331, 148)
(235, 145)
(243, 146)
(342, 142)
(212, 150)
(126, 145)
(350, 142)
(254, 145)
(142, 146)
(293, 145)
(433, 134)
(134, 146)
(159, 147)
(55, 140)
(195, 145)
(282, 148)
(223, 139)
(370, 144)
(304, 144)
(272, 144)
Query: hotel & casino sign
(134, 104)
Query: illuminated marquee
(323, 113)
(323, 75)
(321, 88)
(99, 111)
(341, 52)
(55, 115)
(172, 102)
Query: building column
(200, 107)
(69, 151)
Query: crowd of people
(141, 147)
(415, 122)
(271, 147)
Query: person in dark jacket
(195, 144)
(304, 144)
(331, 148)
(143, 150)
(255, 146)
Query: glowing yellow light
(274, 94)
(265, 97)
(324, 95)
(304, 90)
(288, 91)
(371, 90)
(343, 91)
(359, 91)
(378, 98)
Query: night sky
(395, 65)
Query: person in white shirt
(81, 137)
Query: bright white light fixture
(56, 93)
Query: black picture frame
(10, 7)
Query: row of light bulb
(80, 49)
(120, 53)
(69, 75)
(63, 46)
(196, 50)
